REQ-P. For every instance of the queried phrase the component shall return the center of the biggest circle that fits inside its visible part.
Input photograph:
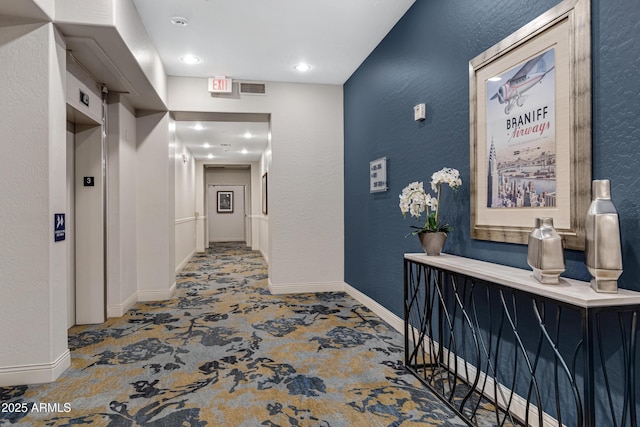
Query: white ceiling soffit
(112, 45)
(223, 137)
(263, 40)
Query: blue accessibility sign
(58, 227)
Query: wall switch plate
(419, 112)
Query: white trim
(303, 288)
(264, 255)
(394, 321)
(185, 261)
(518, 404)
(184, 220)
(119, 310)
(232, 239)
(157, 295)
(35, 374)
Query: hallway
(225, 352)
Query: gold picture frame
(555, 48)
(265, 207)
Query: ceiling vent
(253, 88)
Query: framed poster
(265, 210)
(530, 129)
(225, 202)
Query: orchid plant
(415, 200)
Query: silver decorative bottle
(545, 255)
(603, 252)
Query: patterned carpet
(225, 352)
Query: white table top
(571, 291)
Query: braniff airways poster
(521, 140)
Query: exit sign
(220, 85)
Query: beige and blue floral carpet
(225, 352)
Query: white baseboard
(396, 322)
(266, 258)
(303, 288)
(185, 261)
(157, 295)
(35, 374)
(518, 404)
(118, 310)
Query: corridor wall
(33, 307)
(425, 59)
(122, 249)
(305, 179)
(185, 203)
(155, 188)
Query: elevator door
(90, 301)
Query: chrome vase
(545, 255)
(603, 252)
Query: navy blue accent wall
(425, 59)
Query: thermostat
(419, 112)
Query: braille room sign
(58, 227)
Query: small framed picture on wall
(225, 202)
(264, 194)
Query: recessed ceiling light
(190, 59)
(210, 156)
(495, 79)
(198, 127)
(244, 151)
(248, 135)
(206, 145)
(180, 21)
(302, 67)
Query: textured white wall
(306, 176)
(33, 188)
(137, 39)
(121, 216)
(218, 176)
(101, 12)
(201, 212)
(71, 248)
(185, 204)
(155, 207)
(128, 197)
(230, 226)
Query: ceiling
(261, 40)
(223, 137)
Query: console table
(483, 335)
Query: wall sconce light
(184, 158)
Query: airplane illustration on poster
(530, 74)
